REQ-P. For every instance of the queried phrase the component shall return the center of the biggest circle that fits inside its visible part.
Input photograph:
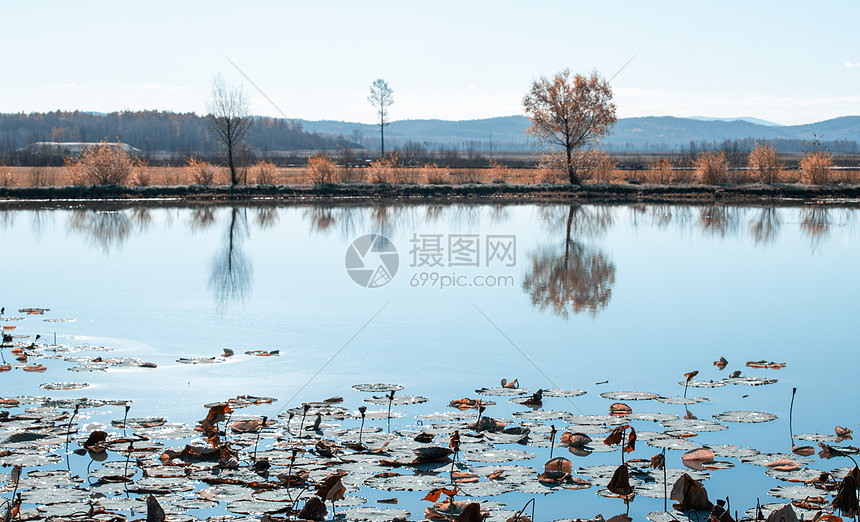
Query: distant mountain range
(646, 133)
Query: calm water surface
(599, 298)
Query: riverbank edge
(782, 194)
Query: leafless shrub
(6, 179)
(599, 165)
(712, 168)
(37, 176)
(816, 168)
(386, 170)
(499, 173)
(764, 164)
(349, 174)
(321, 170)
(105, 164)
(142, 176)
(200, 172)
(660, 171)
(264, 173)
(552, 168)
(75, 171)
(433, 175)
(465, 176)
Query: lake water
(449, 299)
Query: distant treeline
(160, 136)
(171, 138)
(783, 145)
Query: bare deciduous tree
(228, 120)
(570, 112)
(381, 96)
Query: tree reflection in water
(231, 270)
(815, 225)
(719, 220)
(202, 218)
(105, 229)
(765, 228)
(572, 277)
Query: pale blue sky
(788, 62)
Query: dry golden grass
(428, 174)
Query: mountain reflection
(572, 277)
(230, 269)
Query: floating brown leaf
(496, 474)
(466, 404)
(576, 439)
(486, 424)
(299, 478)
(558, 465)
(247, 426)
(765, 364)
(445, 510)
(783, 465)
(843, 434)
(620, 409)
(803, 451)
(424, 437)
(690, 494)
(433, 453)
(463, 477)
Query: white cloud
(852, 64)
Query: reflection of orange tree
(106, 228)
(815, 224)
(765, 228)
(576, 279)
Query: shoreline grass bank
(836, 195)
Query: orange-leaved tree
(570, 112)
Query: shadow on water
(572, 277)
(230, 269)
